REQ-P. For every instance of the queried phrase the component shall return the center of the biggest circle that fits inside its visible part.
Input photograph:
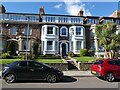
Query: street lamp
(27, 38)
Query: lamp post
(27, 38)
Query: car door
(38, 71)
(23, 70)
(118, 67)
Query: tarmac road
(66, 82)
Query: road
(66, 82)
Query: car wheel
(10, 78)
(110, 77)
(51, 78)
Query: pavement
(74, 73)
(78, 73)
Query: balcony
(19, 17)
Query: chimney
(2, 9)
(42, 11)
(116, 14)
(81, 12)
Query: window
(56, 44)
(72, 31)
(28, 31)
(24, 45)
(0, 28)
(49, 30)
(1, 45)
(56, 31)
(78, 45)
(63, 31)
(35, 64)
(78, 31)
(114, 62)
(50, 19)
(99, 62)
(13, 30)
(72, 45)
(49, 45)
(23, 64)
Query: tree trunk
(113, 53)
(106, 54)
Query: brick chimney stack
(2, 9)
(42, 11)
(81, 12)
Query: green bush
(71, 54)
(6, 56)
(83, 52)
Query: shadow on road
(68, 79)
(65, 79)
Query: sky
(63, 8)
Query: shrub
(71, 54)
(48, 56)
(11, 47)
(91, 52)
(83, 52)
(6, 56)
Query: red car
(109, 69)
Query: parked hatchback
(30, 70)
(109, 69)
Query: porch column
(20, 45)
(45, 47)
(53, 45)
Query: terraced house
(55, 34)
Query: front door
(63, 49)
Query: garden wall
(83, 66)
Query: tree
(35, 48)
(107, 38)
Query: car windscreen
(12, 64)
(98, 62)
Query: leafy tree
(107, 37)
(35, 48)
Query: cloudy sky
(64, 7)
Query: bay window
(49, 30)
(78, 45)
(78, 31)
(49, 45)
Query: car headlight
(5, 69)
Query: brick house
(55, 34)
